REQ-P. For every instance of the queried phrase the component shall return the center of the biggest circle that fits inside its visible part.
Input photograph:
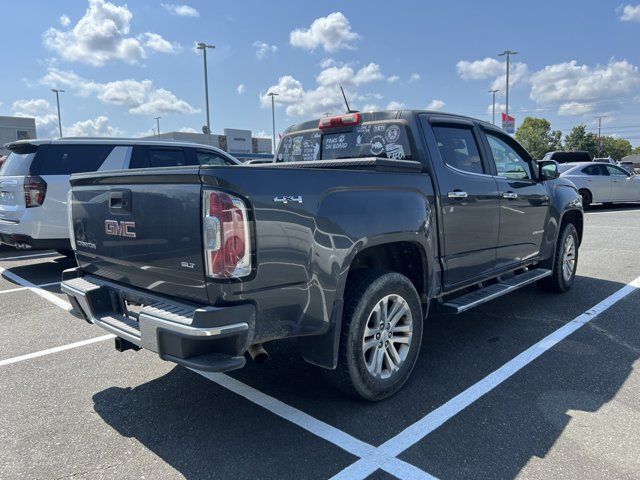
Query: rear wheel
(565, 261)
(586, 197)
(381, 335)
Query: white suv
(34, 180)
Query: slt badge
(288, 198)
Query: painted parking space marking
(19, 289)
(613, 211)
(35, 289)
(427, 424)
(35, 255)
(49, 351)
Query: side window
(509, 163)
(166, 157)
(591, 170)
(68, 159)
(613, 170)
(458, 148)
(206, 158)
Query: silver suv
(34, 180)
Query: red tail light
(35, 189)
(227, 245)
(340, 121)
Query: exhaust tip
(257, 353)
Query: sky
(122, 64)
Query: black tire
(557, 282)
(366, 289)
(587, 198)
(67, 253)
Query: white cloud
(65, 21)
(332, 33)
(371, 107)
(264, 49)
(574, 108)
(139, 96)
(241, 89)
(393, 105)
(180, 10)
(569, 82)
(436, 104)
(414, 77)
(40, 109)
(492, 68)
(159, 44)
(97, 127)
(188, 130)
(500, 107)
(345, 75)
(393, 79)
(100, 36)
(629, 13)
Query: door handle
(510, 195)
(457, 194)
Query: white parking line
(35, 289)
(49, 351)
(612, 211)
(35, 255)
(423, 427)
(27, 288)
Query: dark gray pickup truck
(362, 223)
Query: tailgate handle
(120, 200)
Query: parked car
(605, 160)
(34, 181)
(602, 183)
(366, 221)
(627, 165)
(568, 157)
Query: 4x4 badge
(288, 198)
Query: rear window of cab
(382, 140)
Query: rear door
(468, 198)
(598, 182)
(142, 229)
(524, 200)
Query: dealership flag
(508, 123)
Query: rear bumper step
(473, 299)
(201, 337)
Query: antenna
(346, 102)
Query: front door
(624, 187)
(468, 197)
(524, 201)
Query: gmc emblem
(120, 229)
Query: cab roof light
(340, 121)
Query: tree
(536, 137)
(579, 139)
(616, 148)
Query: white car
(34, 180)
(602, 182)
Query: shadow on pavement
(180, 418)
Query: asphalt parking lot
(532, 385)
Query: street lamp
(508, 54)
(273, 117)
(58, 92)
(494, 104)
(157, 119)
(203, 46)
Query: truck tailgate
(142, 228)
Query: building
(15, 128)
(236, 141)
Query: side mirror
(548, 169)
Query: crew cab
(362, 224)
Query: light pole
(494, 104)
(203, 46)
(157, 119)
(508, 54)
(58, 92)
(600, 117)
(273, 117)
